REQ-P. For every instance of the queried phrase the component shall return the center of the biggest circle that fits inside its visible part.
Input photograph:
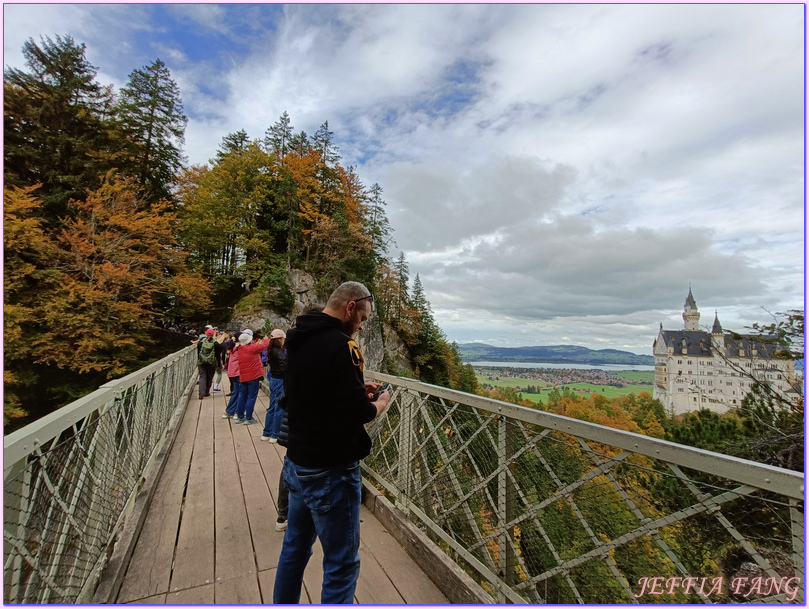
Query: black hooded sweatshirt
(326, 400)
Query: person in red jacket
(251, 371)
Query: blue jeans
(248, 392)
(272, 422)
(323, 503)
(235, 390)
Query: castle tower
(717, 327)
(690, 312)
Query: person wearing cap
(209, 358)
(277, 356)
(328, 404)
(251, 372)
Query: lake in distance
(607, 367)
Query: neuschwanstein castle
(713, 370)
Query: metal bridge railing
(71, 477)
(541, 508)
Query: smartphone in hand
(382, 388)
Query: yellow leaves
(597, 409)
(86, 306)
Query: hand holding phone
(382, 388)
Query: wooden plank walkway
(209, 536)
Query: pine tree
(377, 225)
(232, 142)
(401, 298)
(323, 141)
(278, 137)
(299, 143)
(151, 112)
(57, 128)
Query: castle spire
(690, 302)
(690, 312)
(717, 327)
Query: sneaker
(215, 389)
(238, 420)
(265, 438)
(228, 394)
(235, 417)
(280, 525)
(226, 415)
(249, 421)
(273, 440)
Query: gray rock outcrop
(375, 340)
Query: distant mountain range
(558, 354)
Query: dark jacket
(278, 362)
(326, 399)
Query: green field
(584, 389)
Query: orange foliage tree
(81, 300)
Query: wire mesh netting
(537, 515)
(63, 504)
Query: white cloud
(553, 172)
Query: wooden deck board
(240, 590)
(153, 558)
(375, 588)
(261, 510)
(409, 579)
(200, 595)
(234, 548)
(194, 556)
(218, 498)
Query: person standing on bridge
(209, 358)
(328, 405)
(278, 365)
(251, 372)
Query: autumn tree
(235, 222)
(151, 113)
(82, 300)
(28, 282)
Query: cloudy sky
(555, 174)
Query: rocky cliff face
(374, 341)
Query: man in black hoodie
(328, 404)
